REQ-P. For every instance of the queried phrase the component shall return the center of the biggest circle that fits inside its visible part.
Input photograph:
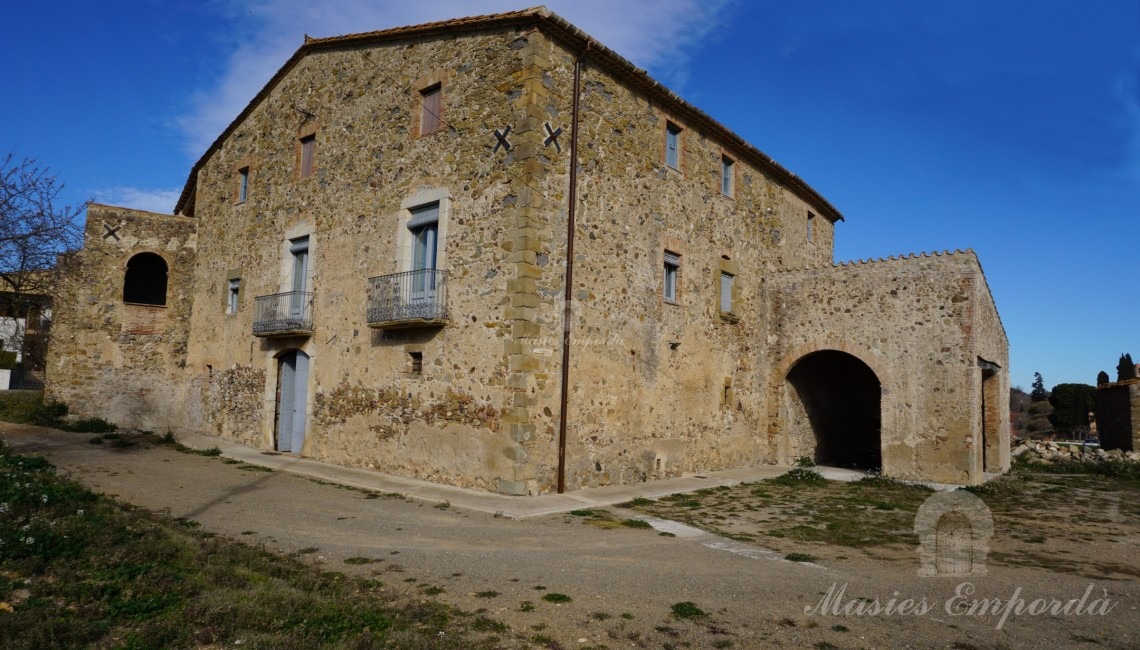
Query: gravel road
(622, 581)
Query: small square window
(243, 184)
(233, 296)
(726, 173)
(673, 145)
(810, 226)
(430, 114)
(308, 155)
(416, 361)
(726, 282)
(672, 275)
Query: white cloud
(653, 34)
(161, 201)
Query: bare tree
(35, 229)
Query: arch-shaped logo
(954, 530)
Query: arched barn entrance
(841, 397)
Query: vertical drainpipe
(569, 294)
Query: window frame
(727, 176)
(431, 109)
(727, 285)
(243, 184)
(233, 296)
(307, 165)
(671, 281)
(673, 138)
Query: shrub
(800, 476)
(30, 408)
(687, 609)
(90, 425)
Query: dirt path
(622, 581)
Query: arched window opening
(145, 280)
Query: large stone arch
(827, 399)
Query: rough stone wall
(1118, 415)
(921, 324)
(366, 406)
(657, 388)
(120, 361)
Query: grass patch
(104, 575)
(799, 557)
(29, 407)
(687, 609)
(635, 502)
(555, 597)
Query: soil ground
(1055, 537)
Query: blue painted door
(292, 395)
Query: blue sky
(1010, 127)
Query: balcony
(411, 299)
(284, 314)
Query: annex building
(388, 261)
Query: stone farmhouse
(387, 261)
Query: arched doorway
(292, 396)
(841, 397)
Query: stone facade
(322, 187)
(124, 361)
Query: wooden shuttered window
(430, 115)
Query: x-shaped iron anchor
(111, 232)
(502, 137)
(552, 137)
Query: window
(672, 273)
(243, 184)
(810, 224)
(673, 145)
(417, 362)
(232, 296)
(726, 172)
(726, 281)
(299, 249)
(430, 114)
(424, 226)
(145, 280)
(308, 154)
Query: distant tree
(1125, 369)
(1102, 378)
(1038, 394)
(1018, 400)
(34, 231)
(1071, 405)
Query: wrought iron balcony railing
(284, 314)
(408, 299)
